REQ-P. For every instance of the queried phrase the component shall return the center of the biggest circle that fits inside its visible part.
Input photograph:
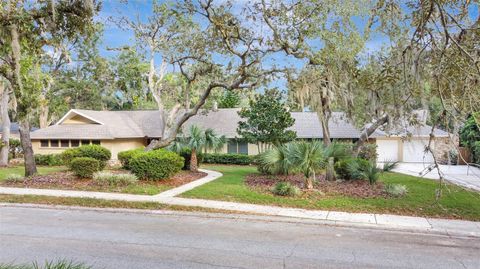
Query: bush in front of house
(352, 168)
(126, 156)
(111, 179)
(396, 190)
(156, 164)
(368, 151)
(96, 152)
(218, 158)
(285, 189)
(85, 167)
(14, 178)
(49, 159)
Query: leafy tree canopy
(267, 119)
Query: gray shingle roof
(147, 123)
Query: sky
(114, 37)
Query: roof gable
(76, 117)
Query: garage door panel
(414, 151)
(387, 150)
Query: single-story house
(123, 130)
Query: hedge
(156, 164)
(125, 156)
(219, 158)
(48, 159)
(85, 167)
(92, 151)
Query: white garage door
(387, 150)
(414, 151)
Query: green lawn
(19, 170)
(420, 200)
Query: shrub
(91, 151)
(84, 167)
(219, 158)
(14, 178)
(388, 166)
(368, 152)
(156, 164)
(48, 159)
(396, 190)
(107, 178)
(68, 155)
(126, 156)
(285, 189)
(370, 172)
(355, 168)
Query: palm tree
(196, 140)
(213, 141)
(308, 158)
(303, 157)
(275, 161)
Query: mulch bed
(67, 180)
(351, 188)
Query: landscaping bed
(66, 180)
(352, 188)
(239, 185)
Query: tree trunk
(5, 120)
(30, 167)
(43, 114)
(330, 172)
(193, 160)
(325, 130)
(367, 132)
(309, 183)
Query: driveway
(187, 240)
(461, 175)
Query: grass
(19, 170)
(99, 203)
(455, 203)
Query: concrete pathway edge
(386, 221)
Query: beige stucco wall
(78, 120)
(114, 145)
(119, 145)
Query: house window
(75, 143)
(237, 147)
(54, 143)
(64, 143)
(85, 142)
(242, 147)
(96, 142)
(44, 143)
(232, 147)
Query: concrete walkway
(416, 224)
(462, 175)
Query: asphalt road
(132, 240)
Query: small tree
(296, 157)
(267, 120)
(229, 99)
(196, 140)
